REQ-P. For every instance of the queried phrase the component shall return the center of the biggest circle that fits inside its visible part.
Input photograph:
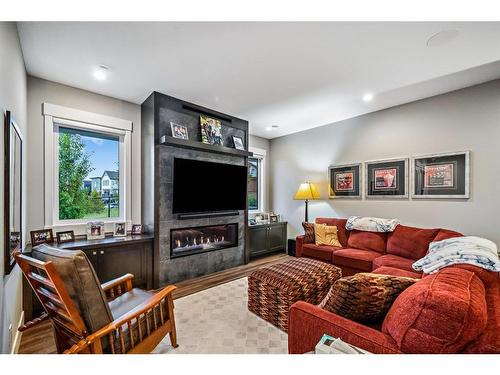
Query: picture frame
(136, 229)
(441, 176)
(386, 179)
(41, 236)
(274, 218)
(211, 130)
(66, 236)
(179, 131)
(238, 143)
(95, 230)
(344, 181)
(120, 229)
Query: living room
(188, 187)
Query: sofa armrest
(299, 241)
(307, 324)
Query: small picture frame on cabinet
(136, 229)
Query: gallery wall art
(387, 178)
(345, 181)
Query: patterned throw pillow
(308, 232)
(326, 235)
(365, 297)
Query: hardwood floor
(40, 340)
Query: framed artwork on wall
(344, 181)
(179, 131)
(386, 178)
(211, 130)
(441, 175)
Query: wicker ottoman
(272, 290)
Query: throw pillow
(326, 235)
(365, 297)
(308, 232)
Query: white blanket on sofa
(477, 251)
(371, 224)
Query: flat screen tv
(201, 187)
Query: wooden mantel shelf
(194, 145)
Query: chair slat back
(50, 290)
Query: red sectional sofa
(456, 310)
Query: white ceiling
(295, 75)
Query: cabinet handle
(102, 252)
(94, 252)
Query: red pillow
(410, 242)
(444, 234)
(360, 239)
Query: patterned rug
(217, 320)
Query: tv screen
(201, 186)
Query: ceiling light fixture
(269, 128)
(367, 97)
(101, 73)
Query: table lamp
(306, 192)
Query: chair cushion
(128, 301)
(394, 261)
(326, 235)
(355, 258)
(308, 232)
(444, 234)
(374, 241)
(81, 282)
(386, 270)
(364, 297)
(324, 253)
(441, 313)
(342, 233)
(410, 242)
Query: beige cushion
(81, 282)
(326, 235)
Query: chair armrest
(115, 328)
(307, 324)
(115, 288)
(299, 241)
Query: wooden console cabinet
(267, 238)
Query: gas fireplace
(188, 241)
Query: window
(83, 156)
(87, 167)
(256, 183)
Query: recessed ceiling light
(368, 97)
(101, 72)
(441, 38)
(269, 128)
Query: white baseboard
(17, 337)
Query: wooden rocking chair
(88, 317)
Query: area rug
(217, 320)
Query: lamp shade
(306, 191)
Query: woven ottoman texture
(272, 290)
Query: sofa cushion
(444, 234)
(386, 270)
(364, 297)
(393, 261)
(81, 282)
(342, 233)
(441, 313)
(308, 232)
(326, 235)
(410, 242)
(355, 258)
(375, 241)
(324, 253)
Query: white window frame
(55, 115)
(259, 153)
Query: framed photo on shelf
(41, 236)
(441, 175)
(387, 178)
(66, 236)
(95, 230)
(179, 131)
(344, 181)
(136, 229)
(211, 130)
(238, 143)
(120, 229)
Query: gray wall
(263, 144)
(467, 119)
(40, 91)
(12, 98)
